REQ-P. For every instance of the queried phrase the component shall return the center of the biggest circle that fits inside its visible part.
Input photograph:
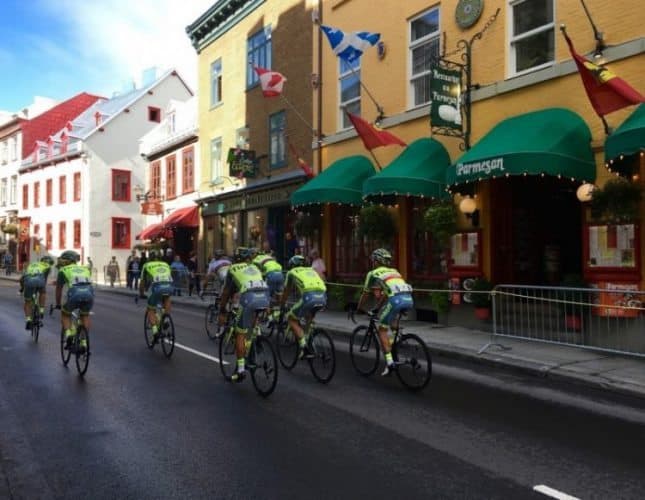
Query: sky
(58, 48)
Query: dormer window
(154, 114)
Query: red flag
(606, 91)
(302, 163)
(372, 136)
(270, 81)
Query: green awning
(420, 170)
(628, 139)
(552, 141)
(341, 182)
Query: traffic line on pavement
(199, 353)
(545, 490)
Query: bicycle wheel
(64, 353)
(210, 321)
(35, 324)
(82, 348)
(264, 370)
(227, 356)
(147, 331)
(287, 347)
(323, 364)
(413, 362)
(167, 335)
(364, 350)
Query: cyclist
(313, 295)
(217, 269)
(271, 272)
(392, 295)
(80, 293)
(156, 276)
(246, 280)
(34, 280)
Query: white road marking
(545, 490)
(199, 353)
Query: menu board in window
(465, 249)
(612, 246)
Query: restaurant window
(48, 235)
(351, 254)
(428, 260)
(424, 51)
(188, 170)
(77, 186)
(350, 90)
(77, 233)
(120, 233)
(48, 192)
(277, 147)
(155, 179)
(62, 189)
(171, 177)
(216, 82)
(258, 54)
(120, 185)
(532, 39)
(36, 194)
(62, 230)
(25, 196)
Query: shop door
(276, 230)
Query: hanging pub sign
(241, 162)
(152, 207)
(445, 94)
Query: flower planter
(482, 313)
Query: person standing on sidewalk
(193, 275)
(8, 261)
(128, 271)
(113, 271)
(392, 295)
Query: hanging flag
(372, 136)
(270, 81)
(350, 46)
(606, 91)
(309, 172)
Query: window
(3, 152)
(48, 236)
(154, 114)
(77, 233)
(351, 255)
(36, 194)
(187, 170)
(216, 158)
(350, 90)
(62, 189)
(155, 179)
(13, 149)
(3, 192)
(532, 36)
(62, 229)
(216, 82)
(424, 50)
(120, 233)
(77, 186)
(25, 196)
(48, 193)
(277, 149)
(258, 49)
(120, 185)
(171, 177)
(13, 190)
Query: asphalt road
(140, 426)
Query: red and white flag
(271, 81)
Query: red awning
(183, 217)
(151, 232)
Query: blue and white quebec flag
(350, 46)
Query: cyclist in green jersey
(392, 295)
(156, 275)
(34, 280)
(80, 293)
(245, 279)
(271, 272)
(313, 296)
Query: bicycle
(80, 342)
(318, 343)
(213, 330)
(410, 353)
(260, 357)
(165, 334)
(36, 317)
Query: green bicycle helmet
(296, 261)
(70, 256)
(382, 256)
(47, 260)
(242, 254)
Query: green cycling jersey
(156, 271)
(243, 277)
(305, 279)
(266, 264)
(388, 279)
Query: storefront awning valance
(552, 141)
(341, 182)
(628, 138)
(151, 232)
(420, 170)
(183, 217)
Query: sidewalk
(606, 371)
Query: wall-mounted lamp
(585, 192)
(598, 36)
(468, 207)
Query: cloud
(115, 40)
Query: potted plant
(617, 202)
(440, 219)
(376, 222)
(440, 298)
(481, 298)
(568, 299)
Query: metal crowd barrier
(610, 320)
